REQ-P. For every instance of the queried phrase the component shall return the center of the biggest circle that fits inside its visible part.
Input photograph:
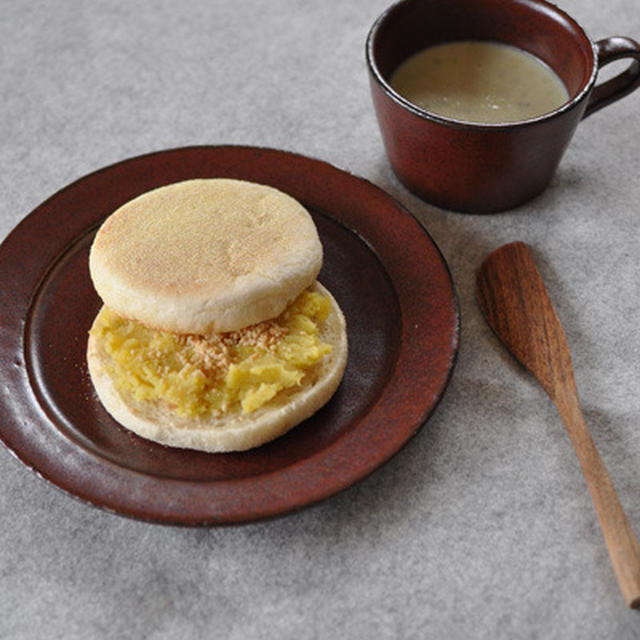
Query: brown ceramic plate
(384, 269)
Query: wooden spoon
(516, 305)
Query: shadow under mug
(484, 168)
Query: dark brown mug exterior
(485, 168)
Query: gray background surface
(482, 526)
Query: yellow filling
(197, 375)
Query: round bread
(205, 256)
(234, 431)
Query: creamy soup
(479, 82)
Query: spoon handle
(620, 539)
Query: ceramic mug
(483, 168)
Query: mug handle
(608, 50)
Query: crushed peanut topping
(214, 354)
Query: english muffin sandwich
(214, 334)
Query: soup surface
(478, 81)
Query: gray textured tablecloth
(481, 527)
